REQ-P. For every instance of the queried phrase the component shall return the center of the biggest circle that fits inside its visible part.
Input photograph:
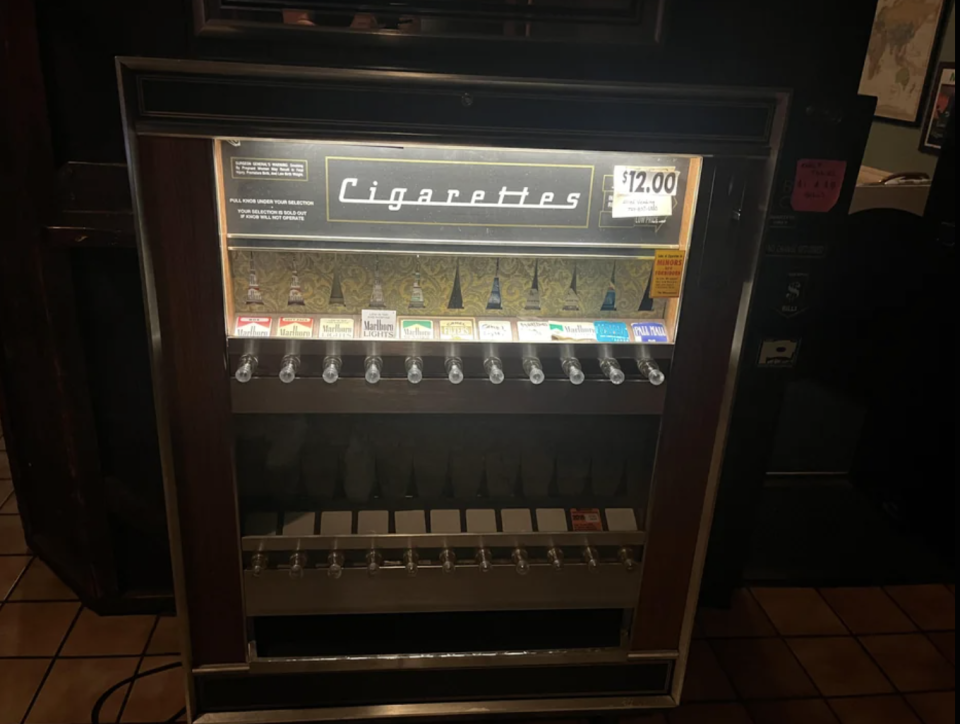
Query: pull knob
(591, 558)
(414, 370)
(611, 368)
(289, 368)
(494, 370)
(411, 562)
(573, 370)
(259, 563)
(335, 565)
(374, 562)
(555, 556)
(331, 369)
(247, 369)
(374, 369)
(650, 370)
(522, 561)
(455, 370)
(298, 563)
(484, 560)
(628, 558)
(448, 560)
(534, 370)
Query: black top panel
(817, 44)
(248, 100)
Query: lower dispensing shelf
(394, 590)
(341, 563)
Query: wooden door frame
(48, 419)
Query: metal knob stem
(374, 563)
(494, 369)
(247, 369)
(455, 370)
(448, 560)
(522, 561)
(331, 369)
(484, 560)
(373, 367)
(534, 370)
(555, 557)
(592, 559)
(611, 368)
(259, 562)
(298, 563)
(573, 370)
(650, 370)
(289, 368)
(411, 562)
(628, 558)
(335, 565)
(414, 370)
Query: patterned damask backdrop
(356, 273)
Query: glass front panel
(449, 358)
(327, 241)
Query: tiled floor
(778, 656)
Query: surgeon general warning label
(269, 168)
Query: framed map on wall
(897, 69)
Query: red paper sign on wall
(818, 185)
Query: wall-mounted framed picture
(906, 36)
(942, 107)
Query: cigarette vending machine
(446, 364)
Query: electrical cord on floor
(95, 713)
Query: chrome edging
(726, 410)
(165, 447)
(443, 712)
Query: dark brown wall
(78, 44)
(44, 387)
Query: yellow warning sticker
(667, 277)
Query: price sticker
(644, 192)
(647, 181)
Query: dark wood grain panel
(692, 418)
(180, 215)
(50, 434)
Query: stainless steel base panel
(560, 690)
(445, 712)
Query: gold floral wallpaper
(356, 273)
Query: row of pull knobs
(493, 367)
(448, 562)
